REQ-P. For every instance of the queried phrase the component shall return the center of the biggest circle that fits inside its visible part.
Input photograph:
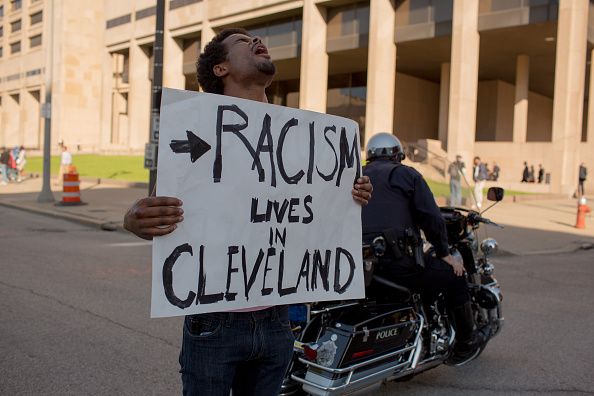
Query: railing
(417, 153)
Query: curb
(534, 197)
(98, 180)
(114, 182)
(106, 226)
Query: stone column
(107, 83)
(173, 59)
(139, 98)
(521, 103)
(207, 32)
(568, 101)
(381, 69)
(463, 80)
(444, 104)
(313, 84)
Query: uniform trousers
(437, 277)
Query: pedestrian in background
(540, 173)
(583, 174)
(479, 175)
(12, 165)
(4, 156)
(456, 170)
(495, 174)
(531, 178)
(525, 173)
(65, 163)
(21, 161)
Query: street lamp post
(46, 194)
(151, 157)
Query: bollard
(583, 209)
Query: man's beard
(267, 68)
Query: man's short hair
(213, 54)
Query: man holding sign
(252, 191)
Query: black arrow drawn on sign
(194, 145)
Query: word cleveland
(316, 270)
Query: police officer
(402, 204)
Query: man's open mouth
(261, 50)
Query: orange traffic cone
(71, 190)
(583, 209)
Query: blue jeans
(247, 352)
(4, 172)
(455, 193)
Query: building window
(283, 37)
(1, 52)
(1, 30)
(146, 12)
(15, 47)
(348, 27)
(35, 41)
(500, 13)
(122, 20)
(15, 26)
(16, 4)
(347, 97)
(1, 11)
(36, 18)
(173, 4)
(348, 20)
(418, 12)
(121, 67)
(284, 93)
(191, 48)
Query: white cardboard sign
(268, 214)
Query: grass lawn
(130, 168)
(121, 167)
(443, 190)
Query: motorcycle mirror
(495, 194)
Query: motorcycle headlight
(489, 246)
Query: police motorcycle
(354, 347)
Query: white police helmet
(386, 145)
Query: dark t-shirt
(4, 157)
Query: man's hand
(456, 265)
(153, 216)
(362, 190)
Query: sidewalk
(531, 227)
(106, 203)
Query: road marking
(130, 244)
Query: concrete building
(25, 28)
(508, 80)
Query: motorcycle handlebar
(477, 218)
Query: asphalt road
(74, 319)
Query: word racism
(249, 165)
(266, 145)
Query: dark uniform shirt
(402, 199)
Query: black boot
(468, 338)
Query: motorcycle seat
(393, 285)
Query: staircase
(427, 157)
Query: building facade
(26, 50)
(508, 80)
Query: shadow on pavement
(524, 240)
